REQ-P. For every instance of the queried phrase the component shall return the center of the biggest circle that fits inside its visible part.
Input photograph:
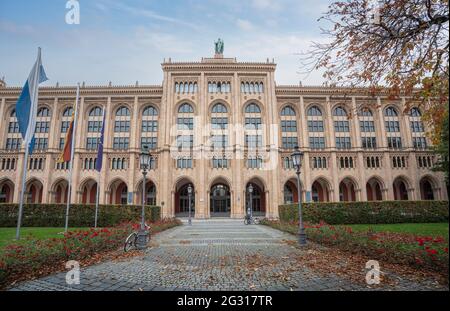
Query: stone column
(201, 205)
(330, 137)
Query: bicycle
(131, 240)
(248, 220)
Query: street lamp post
(145, 159)
(189, 189)
(250, 203)
(297, 157)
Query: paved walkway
(210, 255)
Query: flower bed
(422, 252)
(40, 257)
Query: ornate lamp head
(297, 158)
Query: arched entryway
(400, 189)
(290, 192)
(347, 192)
(182, 198)
(220, 200)
(426, 189)
(34, 192)
(320, 190)
(373, 190)
(89, 192)
(118, 193)
(59, 191)
(258, 197)
(6, 191)
(150, 189)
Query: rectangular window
(417, 126)
(317, 142)
(343, 143)
(219, 141)
(91, 143)
(288, 164)
(369, 142)
(42, 127)
(61, 143)
(185, 123)
(341, 126)
(13, 143)
(219, 123)
(185, 142)
(394, 142)
(149, 126)
(13, 127)
(122, 126)
(392, 126)
(41, 144)
(95, 126)
(121, 143)
(289, 142)
(254, 163)
(315, 126)
(367, 126)
(253, 123)
(219, 163)
(420, 143)
(289, 126)
(184, 163)
(253, 141)
(65, 126)
(151, 142)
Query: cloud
(244, 25)
(266, 4)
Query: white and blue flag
(26, 106)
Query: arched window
(288, 111)
(391, 112)
(186, 108)
(366, 112)
(150, 111)
(13, 114)
(149, 135)
(252, 108)
(340, 112)
(95, 112)
(68, 112)
(43, 112)
(314, 111)
(415, 112)
(219, 108)
(123, 112)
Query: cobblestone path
(210, 255)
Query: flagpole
(24, 177)
(97, 199)
(72, 152)
(27, 146)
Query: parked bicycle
(250, 220)
(131, 240)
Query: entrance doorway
(220, 201)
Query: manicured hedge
(380, 212)
(53, 215)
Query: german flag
(66, 154)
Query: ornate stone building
(221, 125)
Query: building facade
(220, 125)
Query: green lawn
(427, 229)
(8, 235)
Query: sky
(124, 41)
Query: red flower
(446, 249)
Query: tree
(401, 45)
(442, 149)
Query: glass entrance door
(220, 202)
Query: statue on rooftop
(219, 46)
